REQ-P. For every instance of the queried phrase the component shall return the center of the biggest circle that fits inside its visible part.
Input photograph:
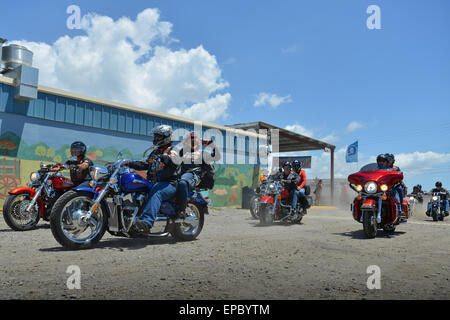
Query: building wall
(43, 129)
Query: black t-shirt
(443, 193)
(79, 176)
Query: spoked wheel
(254, 207)
(69, 224)
(15, 215)
(369, 224)
(191, 228)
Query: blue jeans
(298, 195)
(160, 192)
(187, 183)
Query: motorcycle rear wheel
(369, 224)
(66, 226)
(13, 210)
(186, 231)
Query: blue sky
(318, 57)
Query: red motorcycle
(375, 206)
(26, 205)
(275, 205)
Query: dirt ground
(325, 257)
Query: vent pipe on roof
(17, 61)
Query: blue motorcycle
(118, 195)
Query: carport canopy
(290, 141)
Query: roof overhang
(289, 141)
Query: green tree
(40, 151)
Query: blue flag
(352, 153)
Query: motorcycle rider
(79, 167)
(291, 186)
(297, 167)
(193, 157)
(162, 169)
(401, 188)
(444, 197)
(382, 162)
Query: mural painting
(19, 159)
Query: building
(38, 124)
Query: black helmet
(77, 149)
(381, 157)
(438, 184)
(390, 157)
(297, 165)
(162, 135)
(287, 164)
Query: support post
(332, 176)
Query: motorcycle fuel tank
(132, 182)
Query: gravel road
(325, 257)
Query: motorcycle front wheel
(254, 207)
(189, 231)
(369, 224)
(434, 215)
(265, 216)
(14, 212)
(68, 225)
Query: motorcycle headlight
(371, 187)
(435, 198)
(384, 188)
(98, 172)
(411, 198)
(359, 188)
(34, 177)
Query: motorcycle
(276, 205)
(375, 206)
(436, 205)
(25, 206)
(413, 200)
(118, 195)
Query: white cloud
(300, 130)
(264, 99)
(290, 49)
(130, 61)
(353, 126)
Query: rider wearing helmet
(78, 165)
(162, 169)
(297, 166)
(382, 161)
(193, 157)
(444, 197)
(291, 185)
(401, 189)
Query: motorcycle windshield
(372, 172)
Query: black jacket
(163, 169)
(292, 177)
(79, 176)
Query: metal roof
(288, 140)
